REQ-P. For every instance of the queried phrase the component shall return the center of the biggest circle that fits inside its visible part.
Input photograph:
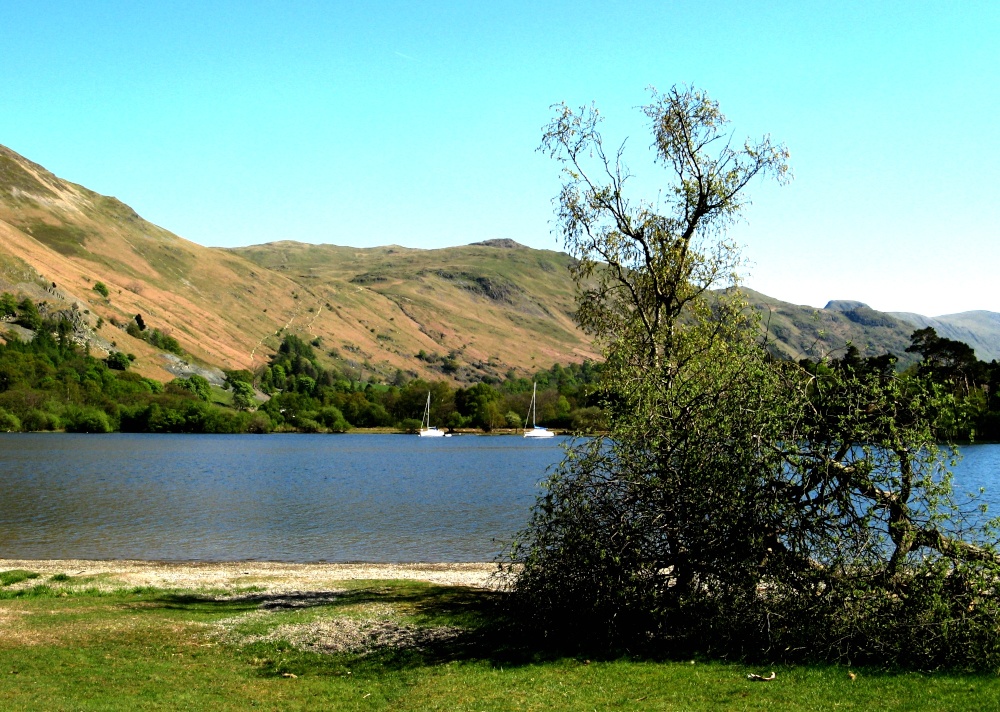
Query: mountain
(796, 331)
(485, 306)
(58, 238)
(466, 311)
(463, 312)
(979, 329)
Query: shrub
(102, 289)
(333, 419)
(410, 425)
(28, 316)
(36, 420)
(195, 384)
(9, 578)
(87, 420)
(259, 423)
(118, 361)
(8, 305)
(9, 423)
(308, 425)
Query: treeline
(974, 386)
(306, 396)
(51, 383)
(966, 391)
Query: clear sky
(235, 123)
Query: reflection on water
(274, 497)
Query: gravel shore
(273, 576)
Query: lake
(377, 498)
(288, 497)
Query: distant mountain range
(461, 312)
(979, 329)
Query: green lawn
(67, 645)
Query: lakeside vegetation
(440, 648)
(51, 383)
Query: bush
(259, 423)
(163, 341)
(588, 420)
(9, 423)
(195, 384)
(37, 420)
(333, 419)
(410, 425)
(118, 361)
(101, 289)
(28, 316)
(9, 578)
(87, 420)
(308, 425)
(8, 305)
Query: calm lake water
(379, 498)
(291, 497)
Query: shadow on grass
(483, 631)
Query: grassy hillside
(484, 307)
(57, 239)
(461, 312)
(467, 312)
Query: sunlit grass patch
(158, 649)
(9, 578)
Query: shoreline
(272, 575)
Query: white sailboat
(536, 431)
(426, 430)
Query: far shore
(271, 575)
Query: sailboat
(426, 431)
(536, 431)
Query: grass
(69, 645)
(9, 578)
(67, 239)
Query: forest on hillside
(52, 383)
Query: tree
(28, 315)
(945, 360)
(198, 385)
(739, 505)
(243, 395)
(8, 305)
(118, 361)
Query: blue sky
(416, 123)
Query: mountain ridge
(464, 313)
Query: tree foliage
(740, 505)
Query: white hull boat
(426, 429)
(536, 431)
